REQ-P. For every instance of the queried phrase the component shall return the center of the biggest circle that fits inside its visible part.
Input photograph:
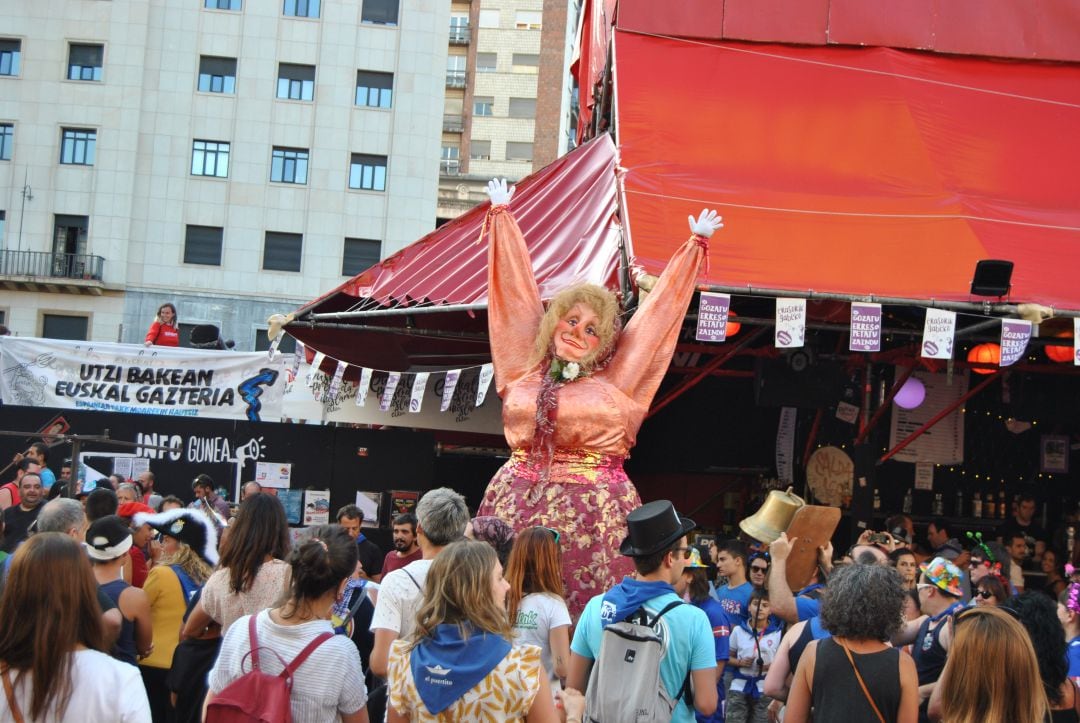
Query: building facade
(233, 157)
(509, 98)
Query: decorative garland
(1074, 598)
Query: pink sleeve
(514, 308)
(648, 342)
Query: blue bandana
(623, 600)
(445, 667)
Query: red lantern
(733, 326)
(988, 353)
(1061, 354)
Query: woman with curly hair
(253, 574)
(1038, 614)
(992, 674)
(855, 676)
(575, 390)
(538, 612)
(51, 657)
(459, 663)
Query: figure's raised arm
(647, 344)
(514, 307)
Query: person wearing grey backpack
(639, 652)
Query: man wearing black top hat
(658, 544)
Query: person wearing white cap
(107, 543)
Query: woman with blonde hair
(459, 664)
(992, 674)
(538, 612)
(51, 658)
(575, 390)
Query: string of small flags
(393, 380)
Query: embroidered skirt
(586, 498)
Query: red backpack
(259, 696)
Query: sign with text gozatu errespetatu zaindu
(141, 380)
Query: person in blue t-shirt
(696, 581)
(804, 604)
(658, 545)
(731, 563)
(1069, 614)
(39, 452)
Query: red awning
(566, 211)
(865, 171)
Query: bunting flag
(335, 383)
(449, 384)
(1015, 334)
(790, 323)
(418, 386)
(363, 386)
(316, 363)
(938, 331)
(298, 355)
(1076, 341)
(392, 380)
(483, 382)
(865, 327)
(713, 316)
(272, 352)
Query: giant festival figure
(575, 390)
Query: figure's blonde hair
(597, 298)
(992, 673)
(457, 591)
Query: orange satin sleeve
(514, 307)
(647, 343)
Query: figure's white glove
(706, 224)
(499, 194)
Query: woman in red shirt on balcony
(163, 332)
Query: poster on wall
(1055, 454)
(402, 501)
(316, 507)
(273, 474)
(944, 442)
(133, 378)
(370, 503)
(293, 502)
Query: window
(7, 140)
(482, 105)
(77, 147)
(202, 245)
(526, 63)
(489, 18)
(528, 20)
(282, 251)
(455, 71)
(359, 254)
(61, 326)
(519, 151)
(3, 218)
(480, 150)
(374, 89)
(523, 107)
(289, 165)
(10, 52)
(222, 4)
(450, 164)
(296, 82)
(217, 75)
(367, 172)
(459, 29)
(70, 234)
(210, 158)
(486, 62)
(286, 346)
(380, 12)
(302, 8)
(85, 62)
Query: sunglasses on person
(759, 568)
(984, 594)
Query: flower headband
(1073, 604)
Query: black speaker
(993, 277)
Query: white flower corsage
(570, 371)
(564, 371)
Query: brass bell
(773, 517)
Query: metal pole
(884, 404)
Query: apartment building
(509, 97)
(234, 157)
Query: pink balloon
(911, 395)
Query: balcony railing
(459, 34)
(455, 79)
(44, 264)
(453, 124)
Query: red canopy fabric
(866, 171)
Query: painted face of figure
(577, 333)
